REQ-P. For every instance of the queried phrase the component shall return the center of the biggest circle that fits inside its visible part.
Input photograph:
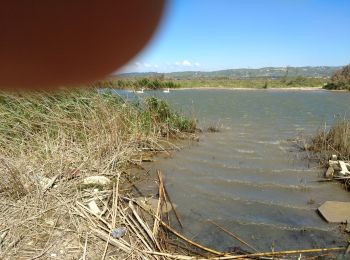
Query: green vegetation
(258, 83)
(159, 112)
(137, 83)
(340, 80)
(336, 140)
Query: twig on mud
(190, 241)
(188, 249)
(233, 235)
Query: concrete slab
(335, 211)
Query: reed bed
(62, 138)
(335, 140)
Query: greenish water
(248, 177)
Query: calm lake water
(249, 178)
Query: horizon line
(246, 68)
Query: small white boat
(166, 90)
(140, 91)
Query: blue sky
(220, 34)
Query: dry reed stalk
(233, 235)
(173, 256)
(287, 252)
(144, 225)
(140, 233)
(174, 231)
(95, 215)
(115, 201)
(190, 241)
(85, 247)
(158, 213)
(171, 203)
(112, 241)
(162, 195)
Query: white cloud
(143, 65)
(186, 63)
(181, 65)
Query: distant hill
(267, 72)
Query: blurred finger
(51, 43)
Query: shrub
(340, 79)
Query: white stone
(97, 180)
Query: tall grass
(51, 133)
(336, 140)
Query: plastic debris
(94, 208)
(119, 232)
(44, 182)
(344, 169)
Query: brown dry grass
(335, 140)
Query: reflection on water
(248, 178)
